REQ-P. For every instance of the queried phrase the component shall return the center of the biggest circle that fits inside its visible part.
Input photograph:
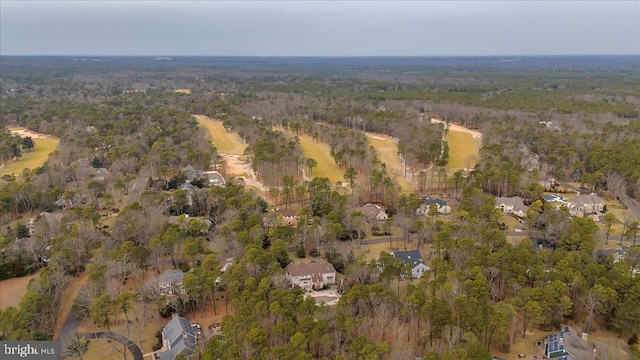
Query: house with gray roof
(414, 259)
(178, 337)
(441, 206)
(190, 189)
(512, 205)
(583, 205)
(567, 345)
(170, 282)
(100, 174)
(192, 173)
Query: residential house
(441, 206)
(311, 275)
(100, 174)
(192, 173)
(549, 184)
(617, 254)
(414, 259)
(49, 223)
(189, 188)
(65, 204)
(567, 345)
(183, 222)
(512, 205)
(373, 212)
(178, 337)
(280, 217)
(583, 205)
(170, 282)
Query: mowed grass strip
(462, 146)
(225, 142)
(387, 152)
(321, 153)
(33, 158)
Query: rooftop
(309, 268)
(586, 199)
(171, 276)
(438, 202)
(411, 257)
(180, 338)
(567, 345)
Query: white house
(441, 206)
(373, 212)
(311, 275)
(414, 259)
(512, 205)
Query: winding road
(71, 324)
(133, 348)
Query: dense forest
(123, 126)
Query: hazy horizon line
(320, 56)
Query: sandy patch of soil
(453, 127)
(378, 137)
(240, 169)
(12, 290)
(26, 132)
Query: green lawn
(224, 141)
(462, 146)
(32, 159)
(321, 153)
(387, 152)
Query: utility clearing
(321, 153)
(44, 145)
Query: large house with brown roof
(373, 212)
(311, 275)
(280, 218)
(583, 205)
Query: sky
(319, 28)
